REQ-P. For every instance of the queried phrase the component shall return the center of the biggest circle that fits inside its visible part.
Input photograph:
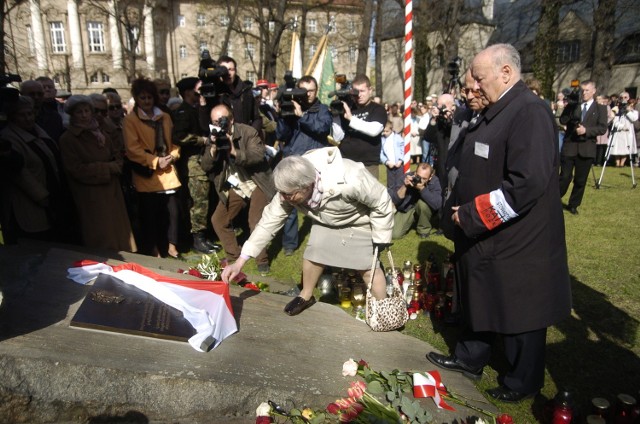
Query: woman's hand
(165, 162)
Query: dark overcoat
(510, 247)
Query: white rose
(263, 410)
(350, 368)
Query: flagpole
(294, 41)
(316, 55)
(408, 96)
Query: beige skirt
(340, 247)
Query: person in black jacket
(240, 97)
(510, 251)
(305, 130)
(585, 121)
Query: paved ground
(51, 372)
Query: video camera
(212, 76)
(220, 133)
(289, 93)
(8, 95)
(345, 94)
(572, 115)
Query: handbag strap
(373, 268)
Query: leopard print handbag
(390, 313)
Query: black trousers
(582, 166)
(158, 221)
(525, 353)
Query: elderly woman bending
(351, 210)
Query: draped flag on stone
(205, 304)
(430, 385)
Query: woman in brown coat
(93, 166)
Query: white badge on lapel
(482, 150)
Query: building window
(93, 78)
(333, 28)
(96, 37)
(134, 38)
(183, 75)
(440, 55)
(272, 26)
(182, 22)
(105, 78)
(352, 54)
(224, 21)
(182, 51)
(30, 39)
(312, 25)
(568, 51)
(251, 76)
(334, 52)
(58, 44)
(203, 46)
(247, 23)
(312, 49)
(230, 50)
(201, 20)
(351, 27)
(250, 51)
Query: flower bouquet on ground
(400, 390)
(210, 268)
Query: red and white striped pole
(408, 81)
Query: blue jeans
(426, 154)
(290, 231)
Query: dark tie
(584, 111)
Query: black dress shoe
(452, 363)
(504, 394)
(298, 305)
(573, 211)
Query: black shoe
(288, 252)
(199, 244)
(452, 363)
(573, 211)
(264, 269)
(298, 305)
(212, 245)
(504, 394)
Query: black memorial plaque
(112, 305)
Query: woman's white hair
(294, 173)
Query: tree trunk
(602, 53)
(546, 46)
(363, 42)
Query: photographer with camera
(306, 129)
(584, 119)
(363, 124)
(439, 131)
(419, 198)
(623, 143)
(234, 160)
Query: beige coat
(93, 172)
(351, 197)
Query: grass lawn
(594, 353)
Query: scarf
(316, 195)
(94, 128)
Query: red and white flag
(430, 385)
(205, 304)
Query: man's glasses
(468, 91)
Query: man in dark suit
(510, 253)
(585, 121)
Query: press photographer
(235, 162)
(579, 147)
(305, 128)
(439, 132)
(363, 124)
(226, 87)
(623, 140)
(417, 199)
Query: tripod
(614, 130)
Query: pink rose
(350, 368)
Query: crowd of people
(161, 175)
